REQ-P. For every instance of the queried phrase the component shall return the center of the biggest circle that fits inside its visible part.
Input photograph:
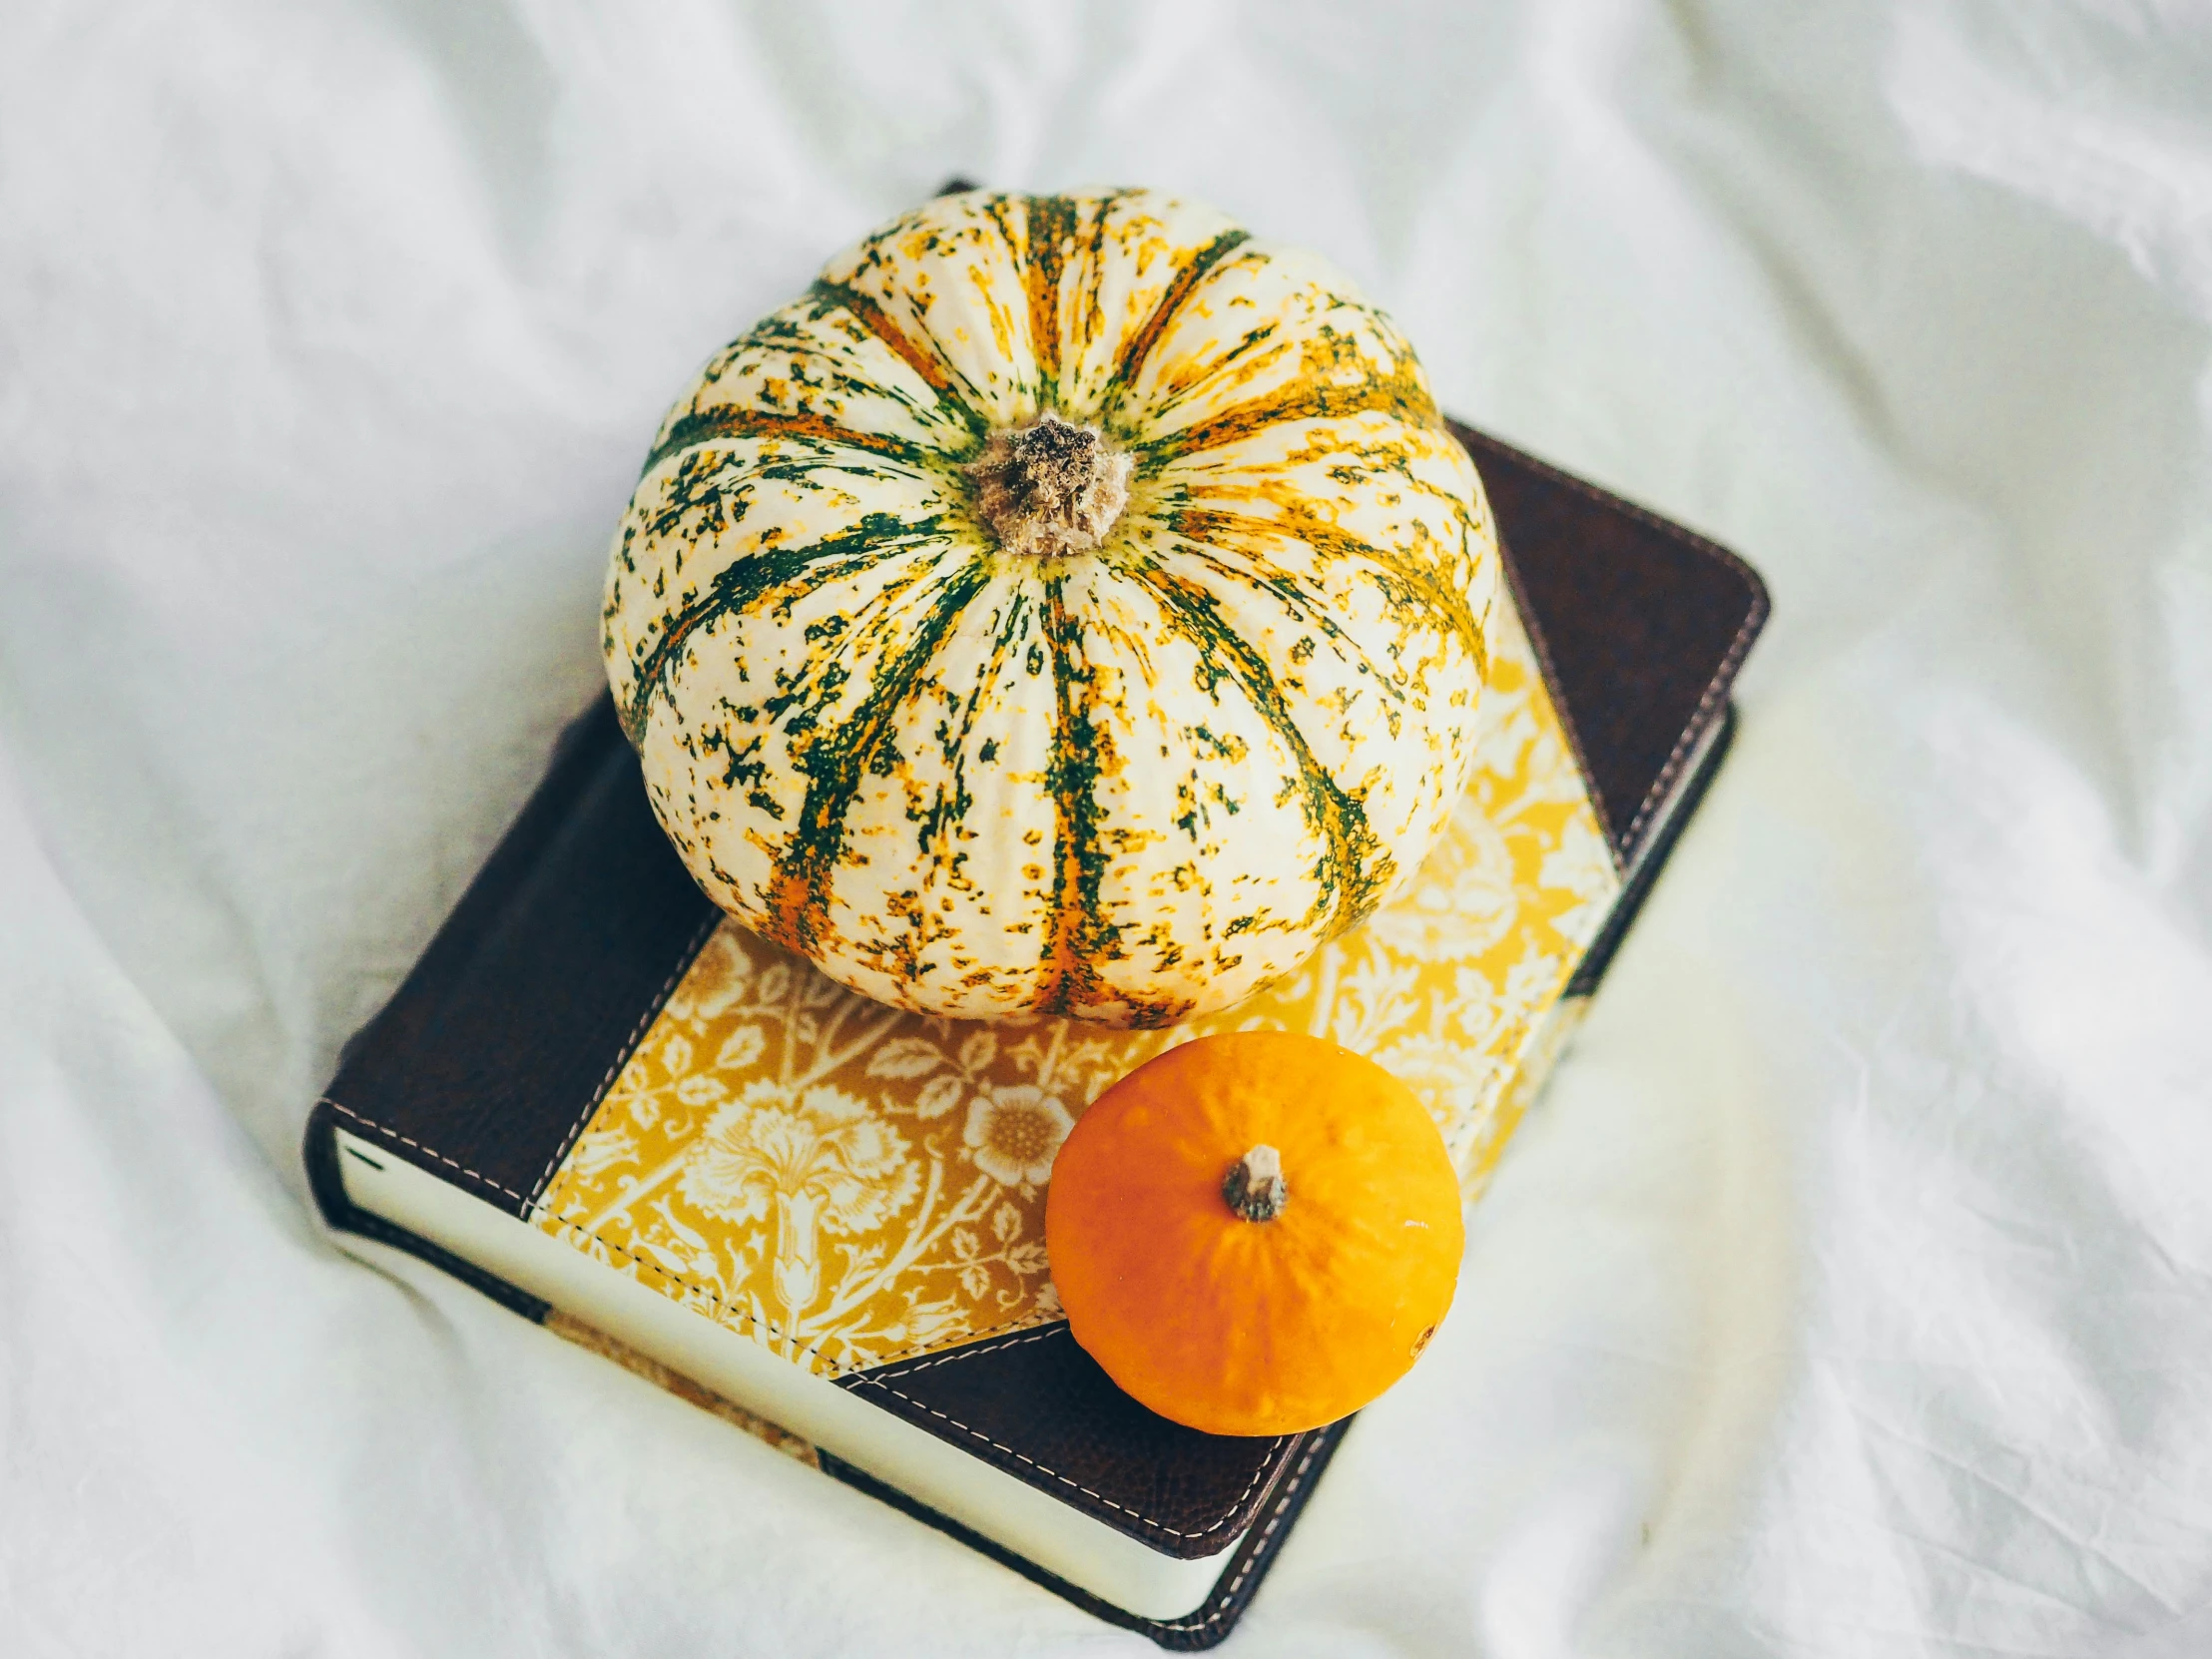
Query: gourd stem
(1051, 487)
(1254, 1185)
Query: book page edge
(1020, 1518)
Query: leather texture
(1641, 626)
(1651, 859)
(1207, 1624)
(486, 1062)
(493, 1053)
(1035, 1405)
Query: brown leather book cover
(529, 1010)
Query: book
(612, 1109)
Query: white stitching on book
(1753, 617)
(1065, 1480)
(408, 1139)
(1275, 1520)
(967, 1349)
(1698, 721)
(652, 1011)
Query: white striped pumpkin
(1126, 749)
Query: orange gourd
(1255, 1233)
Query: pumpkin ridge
(1041, 258)
(1266, 576)
(996, 208)
(735, 421)
(952, 801)
(1089, 316)
(939, 375)
(1072, 771)
(1193, 269)
(804, 334)
(837, 763)
(1402, 392)
(1354, 869)
(1410, 584)
(746, 581)
(1168, 394)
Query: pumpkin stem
(1254, 1187)
(1050, 487)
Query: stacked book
(604, 1104)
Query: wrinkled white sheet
(1850, 1294)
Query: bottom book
(623, 1116)
(1225, 1599)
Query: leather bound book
(612, 1109)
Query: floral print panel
(849, 1184)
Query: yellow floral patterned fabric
(851, 1184)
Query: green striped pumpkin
(1069, 603)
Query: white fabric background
(1848, 1296)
